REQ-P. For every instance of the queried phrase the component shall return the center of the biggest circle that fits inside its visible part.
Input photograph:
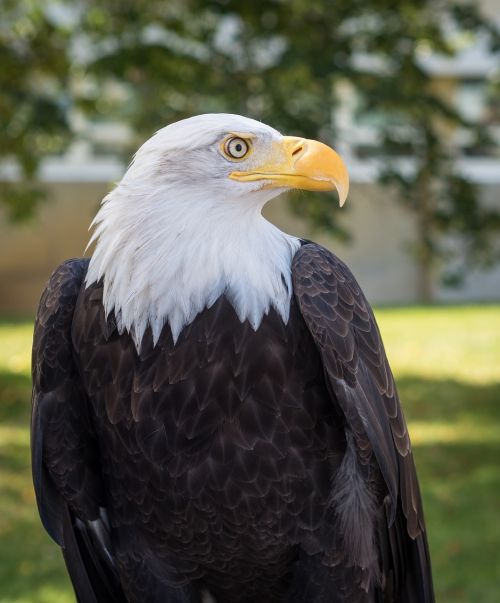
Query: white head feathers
(176, 233)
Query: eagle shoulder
(344, 329)
(62, 458)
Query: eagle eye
(236, 148)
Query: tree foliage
(33, 99)
(279, 61)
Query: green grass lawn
(447, 365)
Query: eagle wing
(65, 462)
(362, 388)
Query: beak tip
(342, 196)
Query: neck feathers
(166, 261)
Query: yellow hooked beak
(300, 163)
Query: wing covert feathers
(345, 332)
(65, 463)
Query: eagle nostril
(298, 150)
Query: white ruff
(167, 249)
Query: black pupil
(238, 147)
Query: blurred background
(408, 92)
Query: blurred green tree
(34, 73)
(286, 63)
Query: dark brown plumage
(270, 465)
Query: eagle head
(184, 224)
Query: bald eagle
(213, 411)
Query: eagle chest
(225, 410)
